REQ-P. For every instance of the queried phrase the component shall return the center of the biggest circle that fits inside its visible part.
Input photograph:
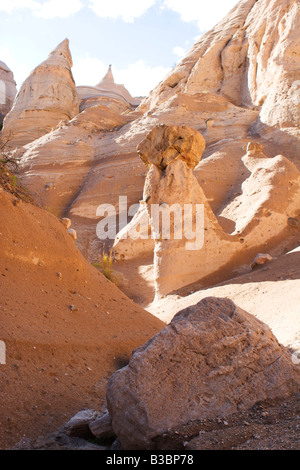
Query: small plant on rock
(104, 264)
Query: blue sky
(142, 39)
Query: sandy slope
(58, 360)
(270, 292)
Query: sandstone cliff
(251, 58)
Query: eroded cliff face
(251, 58)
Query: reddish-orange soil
(58, 357)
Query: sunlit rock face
(190, 242)
(213, 90)
(250, 58)
(47, 97)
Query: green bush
(104, 264)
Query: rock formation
(250, 58)
(8, 90)
(211, 361)
(47, 97)
(167, 144)
(213, 90)
(220, 134)
(108, 93)
(270, 196)
(73, 145)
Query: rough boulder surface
(165, 144)
(212, 360)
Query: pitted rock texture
(212, 360)
(164, 144)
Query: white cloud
(202, 12)
(126, 10)
(179, 51)
(88, 70)
(58, 8)
(9, 6)
(46, 9)
(205, 13)
(139, 78)
(20, 70)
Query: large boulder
(213, 360)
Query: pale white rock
(72, 233)
(8, 90)
(193, 246)
(251, 58)
(66, 222)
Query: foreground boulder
(212, 360)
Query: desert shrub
(104, 264)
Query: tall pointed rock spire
(107, 92)
(47, 97)
(63, 49)
(108, 78)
